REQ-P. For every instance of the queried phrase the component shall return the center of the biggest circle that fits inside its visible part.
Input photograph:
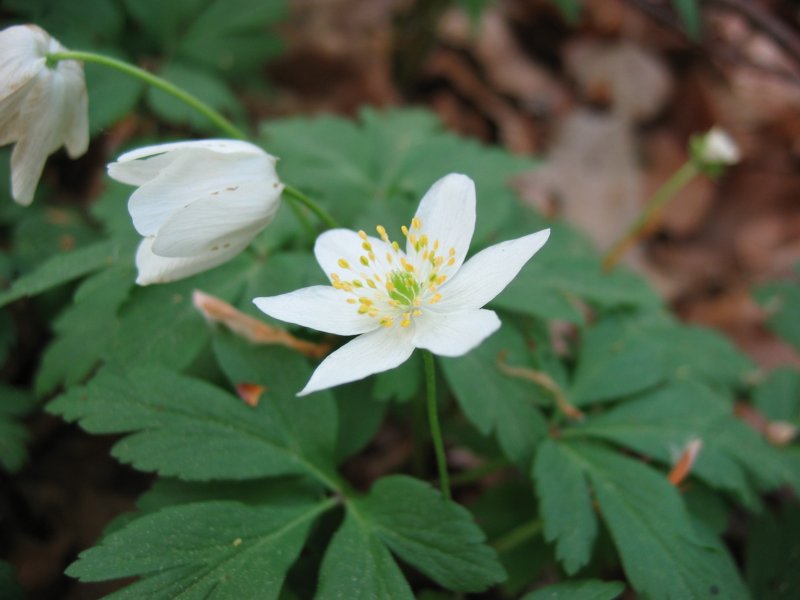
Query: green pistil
(405, 289)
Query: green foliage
(9, 588)
(778, 396)
(781, 300)
(14, 404)
(578, 590)
(772, 552)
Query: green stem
(212, 115)
(323, 215)
(433, 418)
(658, 200)
(517, 536)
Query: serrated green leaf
(62, 268)
(778, 396)
(358, 566)
(14, 405)
(565, 504)
(85, 328)
(781, 301)
(436, 536)
(187, 428)
(590, 589)
(663, 555)
(660, 423)
(206, 550)
(494, 401)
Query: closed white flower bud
(198, 204)
(41, 107)
(720, 148)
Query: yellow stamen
(435, 299)
(351, 300)
(362, 234)
(417, 313)
(364, 261)
(343, 263)
(386, 322)
(382, 232)
(416, 223)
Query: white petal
(217, 146)
(487, 273)
(218, 221)
(22, 52)
(76, 111)
(373, 352)
(447, 212)
(318, 307)
(191, 174)
(454, 334)
(337, 244)
(158, 269)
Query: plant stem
(659, 199)
(517, 536)
(212, 115)
(321, 213)
(433, 419)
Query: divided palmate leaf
(203, 550)
(664, 556)
(494, 401)
(189, 429)
(660, 423)
(565, 504)
(781, 301)
(416, 523)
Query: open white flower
(396, 300)
(41, 108)
(199, 203)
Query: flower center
(391, 285)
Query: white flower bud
(720, 148)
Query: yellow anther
(396, 246)
(404, 229)
(362, 234)
(371, 284)
(343, 263)
(436, 244)
(413, 239)
(357, 283)
(371, 255)
(452, 252)
(362, 310)
(425, 255)
(372, 312)
(406, 320)
(364, 261)
(351, 300)
(435, 299)
(382, 232)
(416, 223)
(394, 303)
(441, 279)
(389, 257)
(364, 300)
(366, 246)
(407, 265)
(334, 277)
(377, 277)
(386, 322)
(451, 262)
(417, 301)
(343, 285)
(423, 240)
(438, 262)
(417, 313)
(389, 287)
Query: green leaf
(689, 12)
(589, 589)
(778, 396)
(358, 566)
(85, 328)
(14, 404)
(359, 418)
(376, 171)
(61, 269)
(202, 84)
(112, 95)
(214, 550)
(565, 504)
(663, 555)
(549, 285)
(493, 401)
(436, 536)
(187, 428)
(570, 10)
(402, 383)
(771, 555)
(9, 588)
(660, 423)
(781, 301)
(617, 358)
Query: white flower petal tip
(41, 108)
(720, 147)
(418, 295)
(199, 203)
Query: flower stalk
(433, 422)
(212, 115)
(299, 197)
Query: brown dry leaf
(683, 466)
(250, 392)
(250, 328)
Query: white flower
(41, 108)
(198, 205)
(396, 300)
(719, 148)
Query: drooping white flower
(199, 203)
(41, 107)
(397, 299)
